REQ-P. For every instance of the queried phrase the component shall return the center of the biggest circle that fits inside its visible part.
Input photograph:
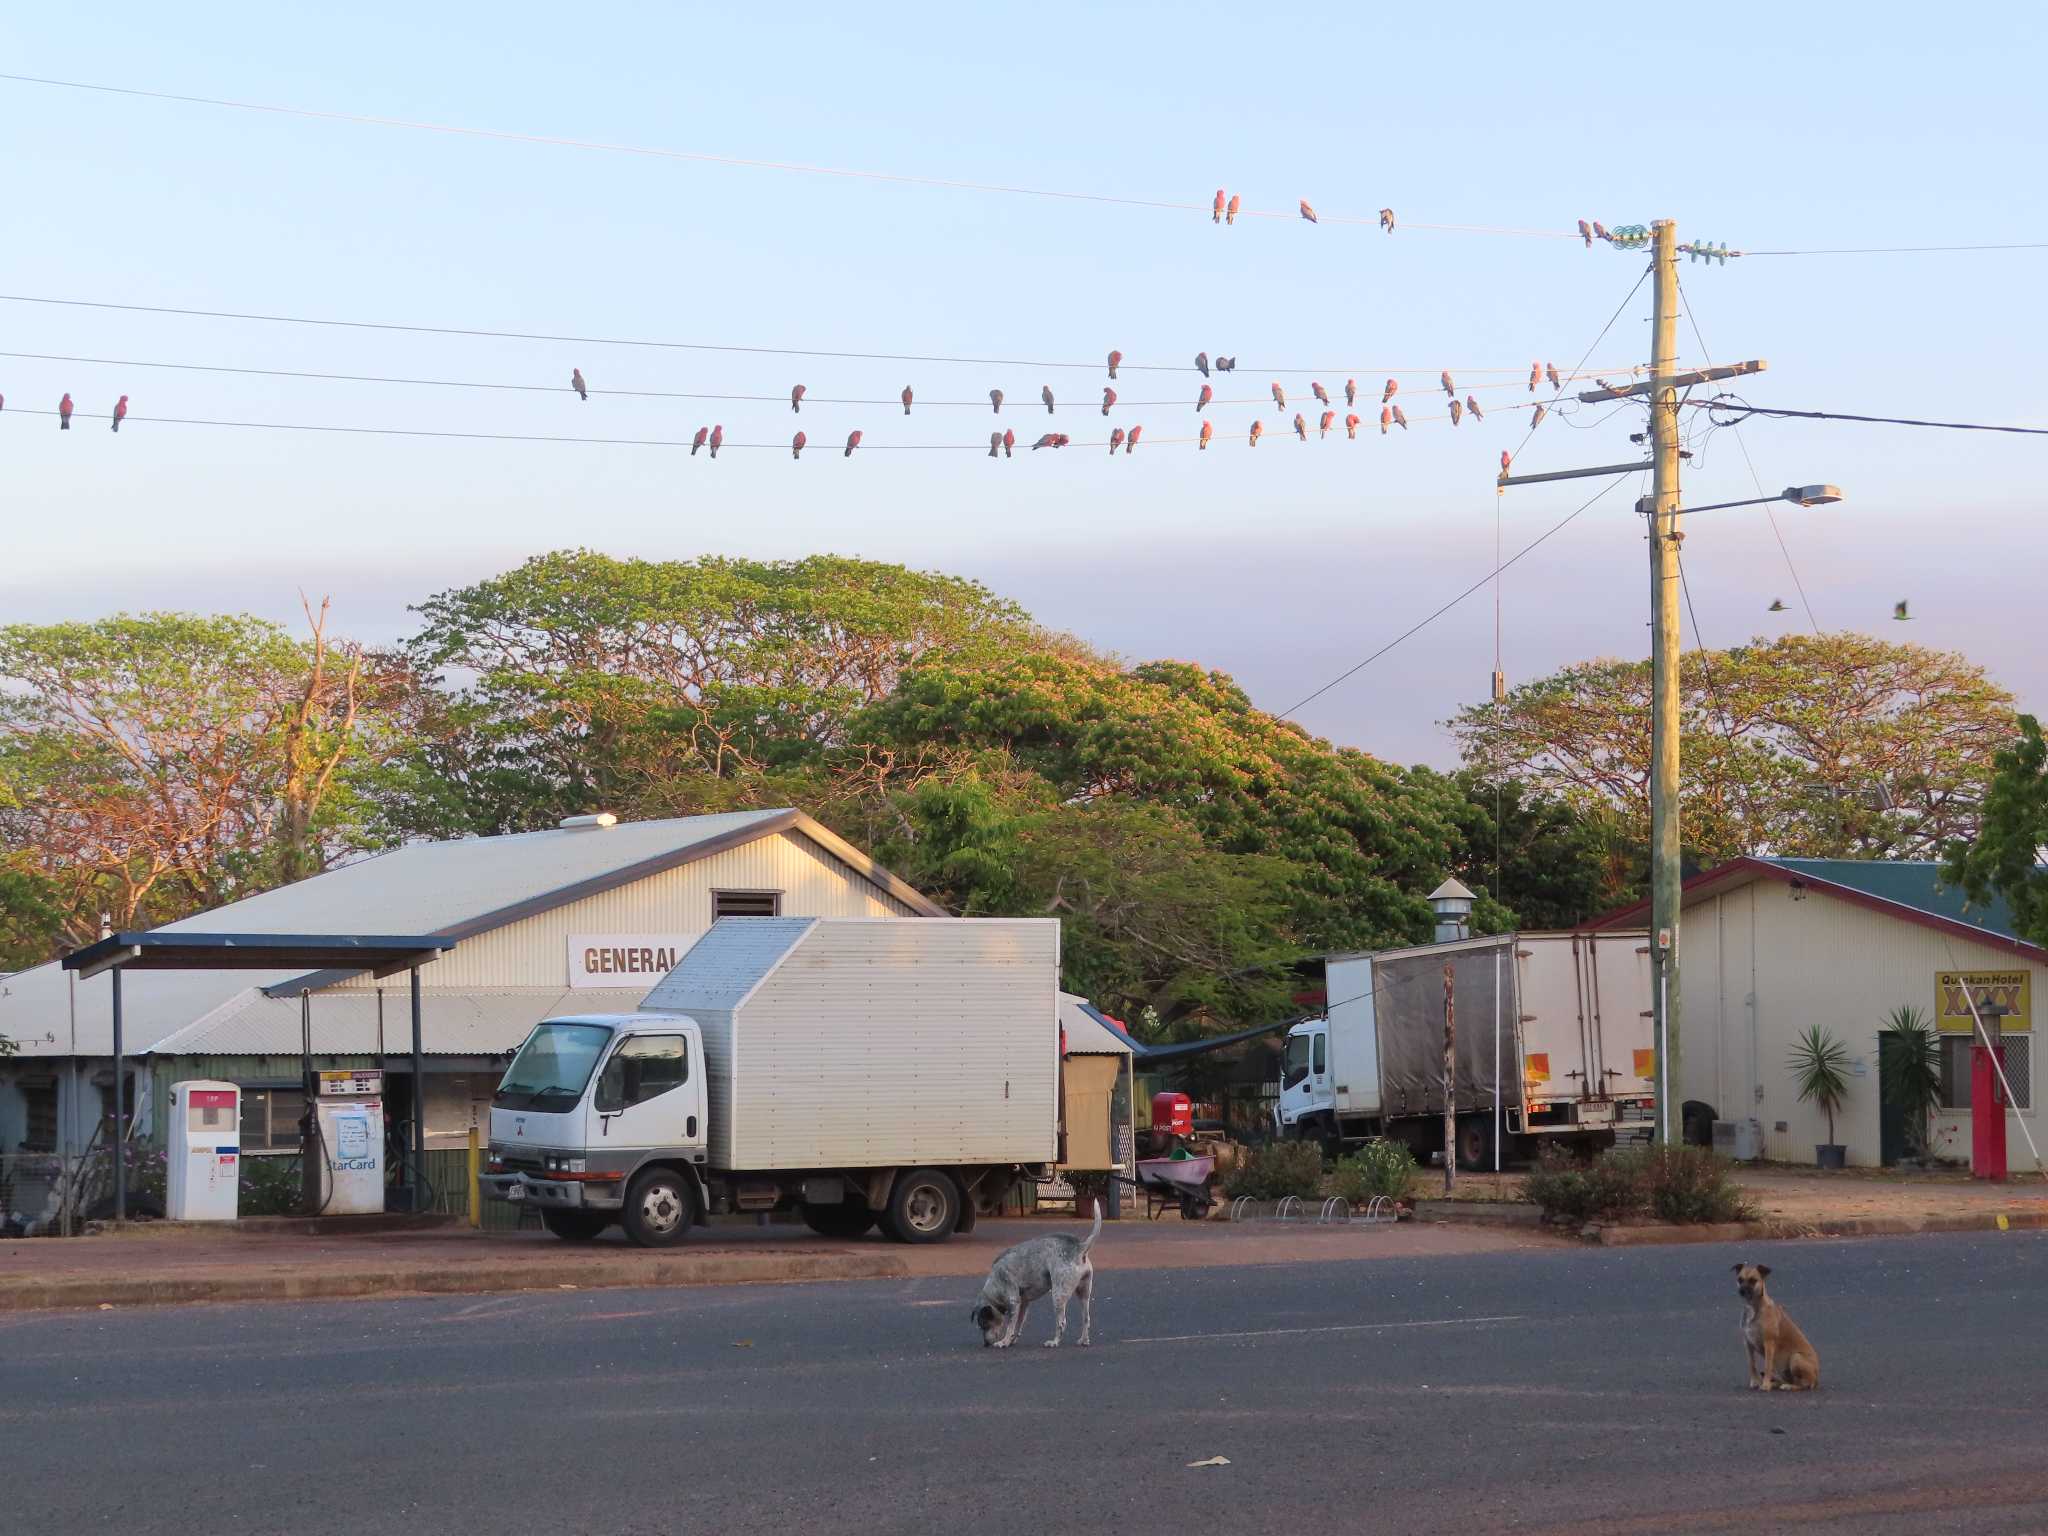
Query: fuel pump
(341, 1133)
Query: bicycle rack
(1336, 1212)
(1289, 1209)
(1380, 1211)
(1242, 1208)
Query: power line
(1727, 403)
(1334, 369)
(1579, 366)
(1020, 404)
(1905, 250)
(1424, 623)
(703, 157)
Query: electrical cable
(1578, 368)
(1902, 250)
(1731, 403)
(366, 120)
(1417, 627)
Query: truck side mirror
(611, 1088)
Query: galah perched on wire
(1216, 212)
(64, 414)
(1351, 392)
(1351, 425)
(717, 437)
(796, 398)
(1393, 388)
(1536, 416)
(1230, 213)
(1457, 411)
(1009, 443)
(1386, 418)
(906, 399)
(1600, 231)
(995, 444)
(1319, 392)
(1449, 388)
(852, 442)
(1324, 429)
(1204, 398)
(1279, 395)
(1308, 212)
(995, 401)
(1044, 441)
(1586, 233)
(1226, 365)
(1472, 405)
(1108, 400)
(1387, 220)
(1400, 418)
(698, 441)
(1550, 373)
(1300, 427)
(1114, 359)
(1208, 431)
(1535, 376)
(796, 445)
(1202, 363)
(1505, 460)
(1257, 429)
(120, 411)
(1116, 440)
(1131, 441)
(576, 383)
(1045, 394)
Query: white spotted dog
(1040, 1266)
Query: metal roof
(1087, 1034)
(455, 1023)
(718, 972)
(161, 950)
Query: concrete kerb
(86, 1291)
(1853, 1226)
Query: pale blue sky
(1782, 126)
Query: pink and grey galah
(1108, 400)
(1257, 429)
(1449, 388)
(1279, 396)
(906, 399)
(1505, 460)
(1216, 212)
(1393, 388)
(1116, 440)
(1386, 418)
(1535, 376)
(1046, 440)
(1387, 220)
(1114, 359)
(852, 442)
(576, 383)
(698, 441)
(1536, 416)
(1204, 398)
(1550, 373)
(1319, 392)
(120, 412)
(1324, 429)
(717, 437)
(1308, 212)
(995, 401)
(1208, 431)
(1586, 233)
(1045, 394)
(1230, 213)
(1400, 418)
(1300, 427)
(995, 444)
(1457, 411)
(796, 445)
(1351, 392)
(796, 398)
(64, 414)
(1132, 441)
(1472, 405)
(1351, 425)
(1009, 443)
(1202, 362)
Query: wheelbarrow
(1169, 1181)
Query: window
(270, 1119)
(1321, 1058)
(643, 1068)
(551, 1069)
(745, 904)
(1955, 1070)
(39, 1105)
(1294, 1062)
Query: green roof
(1916, 885)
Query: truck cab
(600, 1118)
(1308, 1099)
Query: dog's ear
(1737, 1268)
(1763, 1271)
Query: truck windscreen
(552, 1068)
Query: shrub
(1690, 1184)
(1380, 1167)
(1277, 1171)
(270, 1186)
(1909, 1074)
(1676, 1184)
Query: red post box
(1173, 1114)
(1987, 1114)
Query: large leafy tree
(155, 764)
(585, 680)
(2006, 856)
(1818, 746)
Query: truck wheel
(1474, 1141)
(849, 1218)
(574, 1226)
(659, 1207)
(923, 1207)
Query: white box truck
(1575, 1060)
(859, 1071)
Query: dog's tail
(1095, 1231)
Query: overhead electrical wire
(1730, 403)
(1906, 250)
(1095, 366)
(750, 163)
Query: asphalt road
(1548, 1390)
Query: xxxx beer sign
(2007, 991)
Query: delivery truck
(860, 1072)
(1553, 1028)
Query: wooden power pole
(1450, 1084)
(1665, 644)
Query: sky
(1778, 128)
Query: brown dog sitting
(1771, 1337)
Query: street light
(1798, 495)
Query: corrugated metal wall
(1806, 958)
(533, 952)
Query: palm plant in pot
(1819, 1063)
(1909, 1072)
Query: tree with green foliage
(1831, 746)
(1550, 864)
(2008, 856)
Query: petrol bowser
(203, 1163)
(349, 1125)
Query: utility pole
(1450, 1085)
(1664, 651)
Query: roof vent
(596, 823)
(1453, 906)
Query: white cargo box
(875, 1042)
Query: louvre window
(746, 904)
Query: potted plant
(1090, 1190)
(1909, 1072)
(1819, 1064)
